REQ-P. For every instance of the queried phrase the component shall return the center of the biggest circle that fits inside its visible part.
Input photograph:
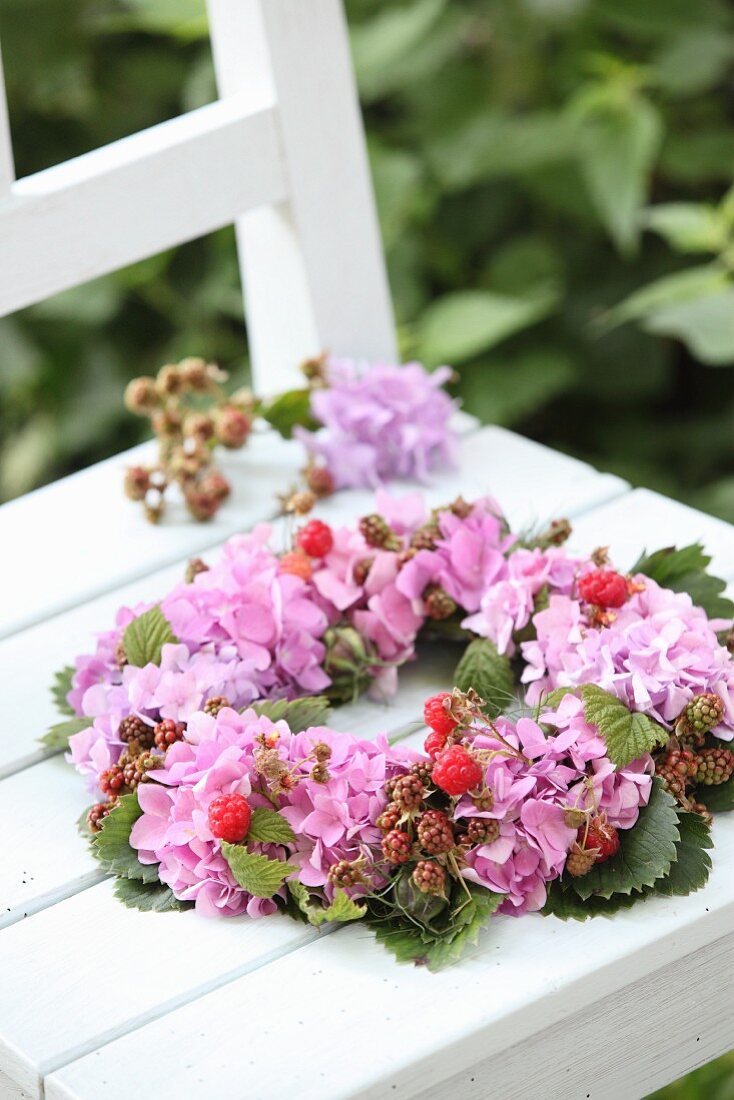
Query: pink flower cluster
(381, 421)
(658, 652)
(567, 770)
(332, 821)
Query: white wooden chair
(100, 1001)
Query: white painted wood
(70, 541)
(7, 168)
(9, 1090)
(631, 1044)
(525, 976)
(134, 198)
(313, 268)
(646, 520)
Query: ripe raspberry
(436, 715)
(134, 729)
(429, 877)
(315, 539)
(376, 532)
(437, 603)
(345, 874)
(389, 817)
(97, 813)
(296, 563)
(319, 481)
(167, 732)
(481, 830)
(229, 817)
(714, 766)
(434, 832)
(456, 772)
(396, 846)
(112, 781)
(682, 762)
(215, 703)
(704, 712)
(600, 836)
(603, 588)
(672, 781)
(408, 792)
(580, 861)
(434, 744)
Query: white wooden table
(97, 1001)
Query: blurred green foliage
(553, 182)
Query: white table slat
(525, 975)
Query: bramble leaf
(145, 637)
(341, 909)
(718, 798)
(60, 688)
(257, 874)
(57, 737)
(627, 734)
(300, 714)
(288, 410)
(685, 569)
(489, 672)
(269, 827)
(148, 897)
(111, 845)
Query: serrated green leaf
(57, 737)
(148, 897)
(145, 637)
(288, 410)
(685, 569)
(256, 874)
(719, 798)
(627, 734)
(646, 851)
(341, 909)
(111, 845)
(60, 688)
(563, 902)
(691, 869)
(489, 672)
(300, 714)
(269, 827)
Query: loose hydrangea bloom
(332, 820)
(657, 653)
(532, 791)
(381, 421)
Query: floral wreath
(200, 725)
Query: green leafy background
(553, 180)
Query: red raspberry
(434, 744)
(296, 563)
(437, 717)
(604, 588)
(229, 817)
(112, 781)
(456, 772)
(396, 846)
(315, 539)
(600, 835)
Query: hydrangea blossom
(332, 820)
(532, 791)
(658, 652)
(380, 422)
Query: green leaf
(627, 734)
(693, 61)
(148, 897)
(692, 865)
(342, 908)
(388, 39)
(506, 389)
(671, 290)
(60, 688)
(646, 851)
(111, 845)
(705, 325)
(57, 737)
(718, 798)
(269, 827)
(145, 637)
(684, 569)
(489, 672)
(300, 714)
(257, 874)
(458, 326)
(687, 226)
(563, 902)
(288, 410)
(618, 141)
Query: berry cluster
(686, 763)
(596, 841)
(190, 415)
